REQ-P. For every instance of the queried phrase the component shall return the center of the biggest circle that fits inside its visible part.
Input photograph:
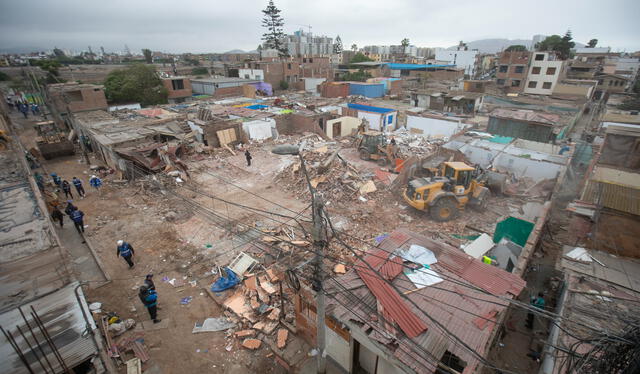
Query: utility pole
(319, 234)
(319, 244)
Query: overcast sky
(222, 25)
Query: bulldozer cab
(371, 140)
(460, 175)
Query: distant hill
(497, 45)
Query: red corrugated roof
(393, 304)
(371, 294)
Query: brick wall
(175, 94)
(334, 89)
(228, 92)
(210, 131)
(293, 123)
(82, 99)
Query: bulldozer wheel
(444, 210)
(364, 155)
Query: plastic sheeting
(225, 282)
(257, 130)
(514, 229)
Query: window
(177, 84)
(390, 119)
(600, 82)
(246, 76)
(515, 83)
(551, 71)
(532, 84)
(73, 95)
(304, 60)
(500, 82)
(519, 69)
(310, 60)
(504, 68)
(258, 77)
(535, 70)
(289, 66)
(546, 85)
(452, 361)
(610, 83)
(539, 57)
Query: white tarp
(579, 254)
(480, 246)
(257, 130)
(418, 254)
(423, 277)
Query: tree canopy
(273, 22)
(559, 44)
(358, 76)
(359, 57)
(592, 43)
(136, 83)
(516, 48)
(200, 71)
(147, 55)
(404, 42)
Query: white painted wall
(434, 127)
(374, 119)
(311, 84)
(462, 59)
(507, 157)
(257, 74)
(347, 126)
(338, 348)
(542, 77)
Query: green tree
(354, 47)
(147, 55)
(136, 83)
(284, 85)
(359, 57)
(337, 47)
(560, 44)
(58, 52)
(592, 43)
(4, 76)
(273, 22)
(358, 76)
(404, 42)
(516, 48)
(200, 71)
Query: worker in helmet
(125, 250)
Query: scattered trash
(213, 324)
(186, 300)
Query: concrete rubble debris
(283, 334)
(213, 324)
(252, 344)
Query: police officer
(150, 300)
(77, 216)
(78, 184)
(125, 250)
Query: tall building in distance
(302, 43)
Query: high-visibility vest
(486, 260)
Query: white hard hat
(120, 242)
(93, 176)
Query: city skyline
(202, 27)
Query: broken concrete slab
(245, 333)
(339, 269)
(252, 343)
(367, 187)
(237, 303)
(283, 334)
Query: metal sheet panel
(63, 318)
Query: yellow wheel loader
(443, 196)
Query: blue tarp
(224, 283)
(257, 106)
(368, 108)
(395, 66)
(367, 89)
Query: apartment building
(512, 70)
(544, 73)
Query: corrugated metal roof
(63, 318)
(613, 196)
(432, 301)
(526, 115)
